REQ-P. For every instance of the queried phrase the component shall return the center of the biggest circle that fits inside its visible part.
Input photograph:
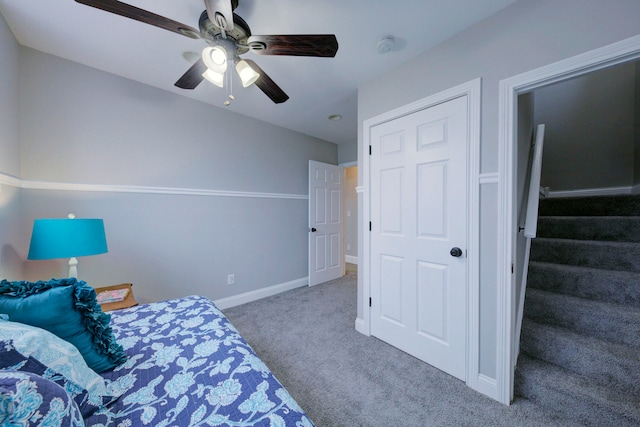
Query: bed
(184, 365)
(188, 365)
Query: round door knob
(313, 229)
(456, 252)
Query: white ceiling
(318, 87)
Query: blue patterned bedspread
(188, 366)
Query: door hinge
(511, 268)
(369, 301)
(370, 150)
(369, 225)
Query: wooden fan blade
(268, 86)
(192, 78)
(142, 15)
(325, 45)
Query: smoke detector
(386, 44)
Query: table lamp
(70, 237)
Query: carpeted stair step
(619, 256)
(620, 205)
(609, 228)
(574, 397)
(604, 363)
(580, 335)
(614, 323)
(619, 287)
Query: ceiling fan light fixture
(248, 75)
(215, 78)
(215, 58)
(228, 36)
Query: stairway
(580, 341)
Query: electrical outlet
(231, 279)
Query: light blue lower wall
(11, 237)
(175, 245)
(488, 276)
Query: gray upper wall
(521, 37)
(9, 141)
(10, 197)
(636, 118)
(589, 130)
(348, 153)
(95, 127)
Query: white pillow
(54, 352)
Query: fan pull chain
(229, 78)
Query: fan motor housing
(212, 33)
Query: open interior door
(326, 259)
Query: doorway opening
(351, 218)
(511, 89)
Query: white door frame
(616, 53)
(472, 90)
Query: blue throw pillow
(68, 309)
(13, 360)
(53, 352)
(29, 399)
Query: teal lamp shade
(67, 238)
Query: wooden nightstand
(129, 300)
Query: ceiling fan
(228, 37)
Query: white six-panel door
(418, 234)
(326, 260)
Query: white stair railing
(530, 229)
(531, 219)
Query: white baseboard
(351, 259)
(360, 326)
(589, 192)
(260, 293)
(488, 386)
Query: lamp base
(73, 267)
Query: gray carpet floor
(343, 378)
